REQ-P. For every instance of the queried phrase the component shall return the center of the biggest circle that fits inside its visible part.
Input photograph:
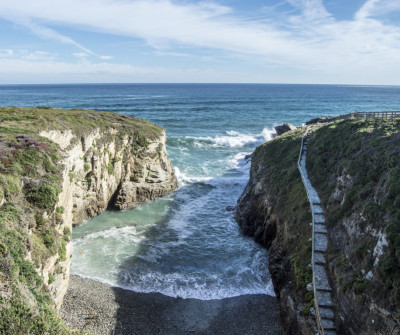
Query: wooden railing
(390, 115)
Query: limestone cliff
(58, 168)
(354, 166)
(98, 174)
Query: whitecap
(232, 139)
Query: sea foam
(233, 138)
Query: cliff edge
(354, 166)
(58, 168)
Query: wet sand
(102, 309)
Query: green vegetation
(30, 183)
(59, 211)
(15, 120)
(366, 155)
(46, 195)
(16, 316)
(87, 167)
(277, 160)
(71, 176)
(9, 213)
(52, 279)
(110, 169)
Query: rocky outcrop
(284, 128)
(99, 174)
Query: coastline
(102, 309)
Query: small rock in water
(247, 158)
(230, 208)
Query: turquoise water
(188, 244)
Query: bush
(8, 212)
(52, 279)
(45, 196)
(63, 251)
(110, 169)
(48, 238)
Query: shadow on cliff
(155, 313)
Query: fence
(390, 115)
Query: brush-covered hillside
(57, 168)
(354, 165)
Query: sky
(187, 41)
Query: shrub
(110, 169)
(52, 279)
(48, 238)
(8, 212)
(45, 196)
(60, 210)
(63, 250)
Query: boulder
(284, 128)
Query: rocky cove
(54, 176)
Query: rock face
(361, 199)
(100, 174)
(57, 168)
(284, 128)
(265, 211)
(354, 167)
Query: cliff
(58, 168)
(354, 166)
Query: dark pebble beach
(102, 309)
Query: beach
(102, 309)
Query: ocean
(188, 244)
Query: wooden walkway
(324, 307)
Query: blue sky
(255, 41)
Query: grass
(30, 183)
(8, 212)
(16, 120)
(275, 164)
(367, 152)
(16, 316)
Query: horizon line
(195, 83)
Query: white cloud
(213, 9)
(36, 55)
(312, 41)
(376, 8)
(18, 70)
(48, 33)
(311, 9)
(81, 55)
(106, 57)
(6, 53)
